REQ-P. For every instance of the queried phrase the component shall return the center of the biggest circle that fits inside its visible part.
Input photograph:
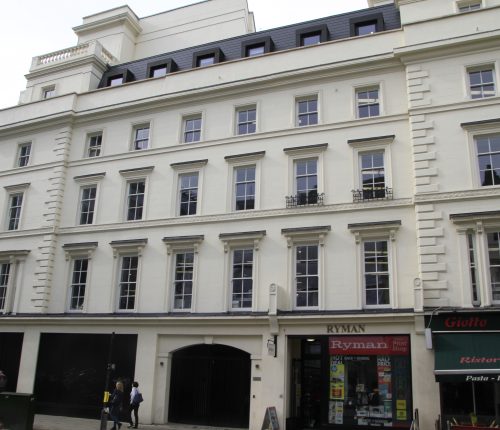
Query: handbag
(138, 398)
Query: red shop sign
(369, 345)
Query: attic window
(312, 35)
(367, 24)
(255, 47)
(160, 68)
(119, 77)
(115, 80)
(207, 58)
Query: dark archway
(210, 385)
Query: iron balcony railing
(371, 194)
(305, 199)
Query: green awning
(473, 357)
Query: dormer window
(363, 28)
(312, 35)
(115, 80)
(468, 5)
(207, 58)
(254, 50)
(310, 39)
(255, 47)
(367, 24)
(160, 68)
(119, 77)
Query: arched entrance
(210, 385)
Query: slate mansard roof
(337, 27)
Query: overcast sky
(34, 27)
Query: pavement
(51, 422)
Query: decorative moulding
(245, 237)
(79, 249)
(306, 233)
(174, 243)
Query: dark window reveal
(312, 35)
(207, 58)
(367, 24)
(365, 28)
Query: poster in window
(337, 378)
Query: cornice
(461, 105)
(458, 195)
(372, 206)
(28, 169)
(122, 18)
(17, 234)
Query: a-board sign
(270, 419)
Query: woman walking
(135, 401)
(115, 405)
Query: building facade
(304, 218)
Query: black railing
(372, 194)
(305, 199)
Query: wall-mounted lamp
(161, 363)
(272, 346)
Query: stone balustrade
(79, 51)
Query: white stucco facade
(425, 131)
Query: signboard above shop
(369, 345)
(467, 321)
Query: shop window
(370, 381)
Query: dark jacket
(115, 401)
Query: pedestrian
(115, 405)
(135, 401)
(3, 381)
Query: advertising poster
(337, 378)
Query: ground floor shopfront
(315, 371)
(467, 366)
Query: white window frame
(370, 145)
(493, 65)
(305, 153)
(307, 97)
(176, 245)
(368, 87)
(135, 175)
(73, 252)
(20, 147)
(13, 289)
(11, 192)
(479, 225)
(237, 241)
(141, 126)
(369, 232)
(242, 160)
(88, 138)
(87, 181)
(306, 236)
(184, 168)
(126, 248)
(474, 131)
(245, 108)
(184, 120)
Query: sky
(32, 27)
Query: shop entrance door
(210, 385)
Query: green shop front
(467, 366)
